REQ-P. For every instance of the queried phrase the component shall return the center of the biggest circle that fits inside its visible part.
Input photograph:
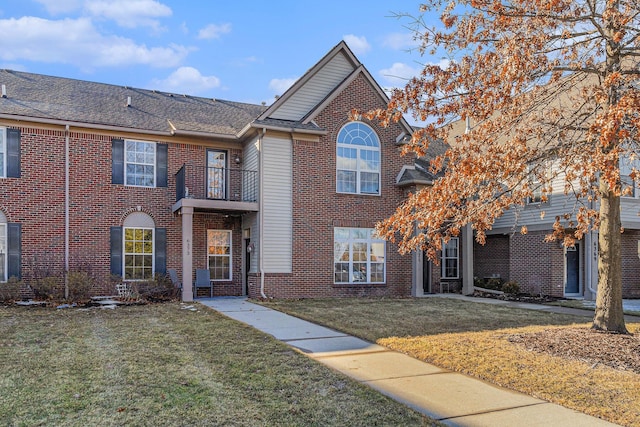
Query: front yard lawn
(164, 365)
(550, 356)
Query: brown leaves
(553, 108)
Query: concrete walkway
(452, 398)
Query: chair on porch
(177, 284)
(203, 280)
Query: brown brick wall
(317, 208)
(492, 259)
(36, 200)
(630, 264)
(537, 266)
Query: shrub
(10, 291)
(511, 287)
(49, 287)
(494, 283)
(80, 284)
(159, 289)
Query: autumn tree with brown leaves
(542, 82)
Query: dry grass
(162, 365)
(477, 339)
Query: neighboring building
(277, 201)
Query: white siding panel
(529, 215)
(315, 90)
(629, 212)
(277, 205)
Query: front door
(426, 275)
(216, 174)
(572, 279)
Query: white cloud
(358, 45)
(280, 86)
(55, 7)
(129, 13)
(399, 73)
(186, 80)
(400, 41)
(214, 31)
(76, 41)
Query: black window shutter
(116, 251)
(14, 249)
(117, 161)
(161, 251)
(13, 153)
(161, 165)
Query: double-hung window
(358, 160)
(359, 256)
(219, 254)
(140, 163)
(450, 259)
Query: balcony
(224, 190)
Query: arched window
(358, 160)
(139, 249)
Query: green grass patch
(472, 338)
(571, 303)
(161, 365)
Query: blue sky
(235, 50)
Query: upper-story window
(9, 153)
(629, 185)
(536, 186)
(140, 163)
(358, 160)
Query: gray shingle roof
(46, 97)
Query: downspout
(593, 252)
(66, 211)
(261, 213)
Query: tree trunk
(609, 315)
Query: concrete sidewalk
(452, 398)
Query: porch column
(417, 289)
(187, 253)
(467, 260)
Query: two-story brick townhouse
(276, 201)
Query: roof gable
(315, 85)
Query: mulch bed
(617, 351)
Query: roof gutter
(288, 129)
(82, 125)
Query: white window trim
(3, 236)
(369, 240)
(155, 161)
(358, 170)
(124, 252)
(443, 258)
(3, 154)
(230, 279)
